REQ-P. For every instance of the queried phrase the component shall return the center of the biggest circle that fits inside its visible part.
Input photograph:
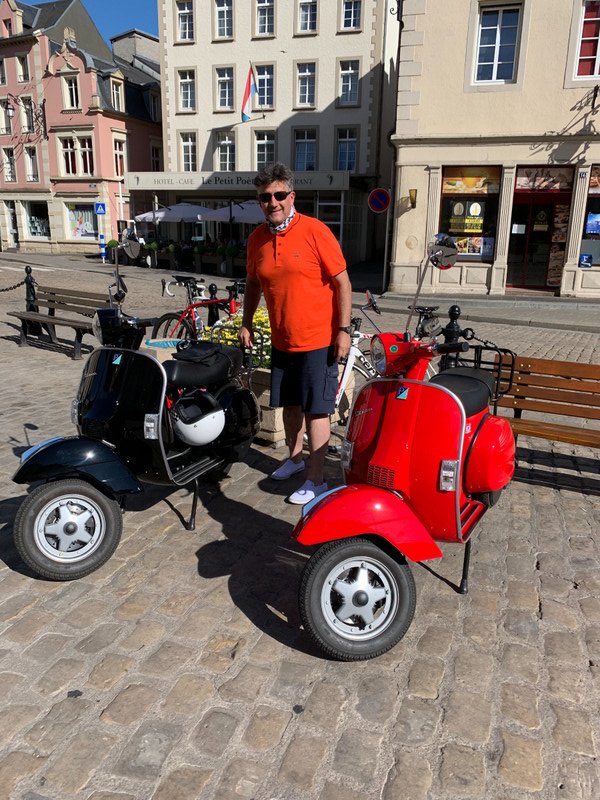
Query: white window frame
(349, 79)
(264, 18)
(10, 165)
(501, 10)
(23, 73)
(225, 151)
(71, 96)
(307, 12)
(68, 154)
(154, 102)
(224, 88)
(32, 172)
(350, 16)
(6, 129)
(264, 148)
(306, 84)
(119, 157)
(156, 157)
(27, 115)
(186, 90)
(86, 154)
(2, 72)
(308, 139)
(351, 136)
(189, 151)
(185, 20)
(116, 94)
(265, 84)
(469, 84)
(223, 20)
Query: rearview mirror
(442, 251)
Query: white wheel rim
(69, 528)
(359, 599)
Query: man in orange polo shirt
(297, 263)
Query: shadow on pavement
(557, 471)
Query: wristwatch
(347, 329)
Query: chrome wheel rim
(69, 528)
(359, 598)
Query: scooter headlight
(378, 355)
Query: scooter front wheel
(66, 529)
(356, 601)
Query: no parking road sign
(379, 200)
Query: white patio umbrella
(249, 211)
(178, 212)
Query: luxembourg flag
(249, 93)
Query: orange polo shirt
(295, 269)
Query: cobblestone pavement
(179, 670)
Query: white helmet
(199, 419)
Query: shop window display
(590, 244)
(469, 212)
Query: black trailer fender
(77, 456)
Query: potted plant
(111, 250)
(152, 254)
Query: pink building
(74, 117)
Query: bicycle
(188, 324)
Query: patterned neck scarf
(280, 228)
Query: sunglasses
(265, 197)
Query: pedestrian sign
(100, 208)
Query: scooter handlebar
(451, 347)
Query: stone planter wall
(271, 429)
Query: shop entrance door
(537, 240)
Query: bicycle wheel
(170, 326)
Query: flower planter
(271, 429)
(210, 264)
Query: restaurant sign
(229, 181)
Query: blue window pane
(511, 17)
(489, 19)
(486, 55)
(488, 36)
(508, 36)
(485, 72)
(506, 54)
(505, 72)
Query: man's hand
(342, 345)
(246, 337)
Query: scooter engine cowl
(490, 462)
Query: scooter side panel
(77, 456)
(361, 509)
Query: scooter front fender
(77, 456)
(360, 509)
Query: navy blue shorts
(307, 379)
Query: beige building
(497, 133)
(325, 79)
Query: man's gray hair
(275, 172)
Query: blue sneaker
(287, 469)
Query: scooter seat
(203, 364)
(473, 387)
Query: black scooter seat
(472, 386)
(203, 364)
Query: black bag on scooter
(203, 364)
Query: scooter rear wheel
(356, 601)
(66, 529)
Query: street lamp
(36, 113)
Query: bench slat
(33, 316)
(86, 311)
(584, 399)
(563, 409)
(101, 298)
(566, 369)
(560, 433)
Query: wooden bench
(566, 389)
(67, 308)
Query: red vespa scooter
(423, 461)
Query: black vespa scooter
(139, 421)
